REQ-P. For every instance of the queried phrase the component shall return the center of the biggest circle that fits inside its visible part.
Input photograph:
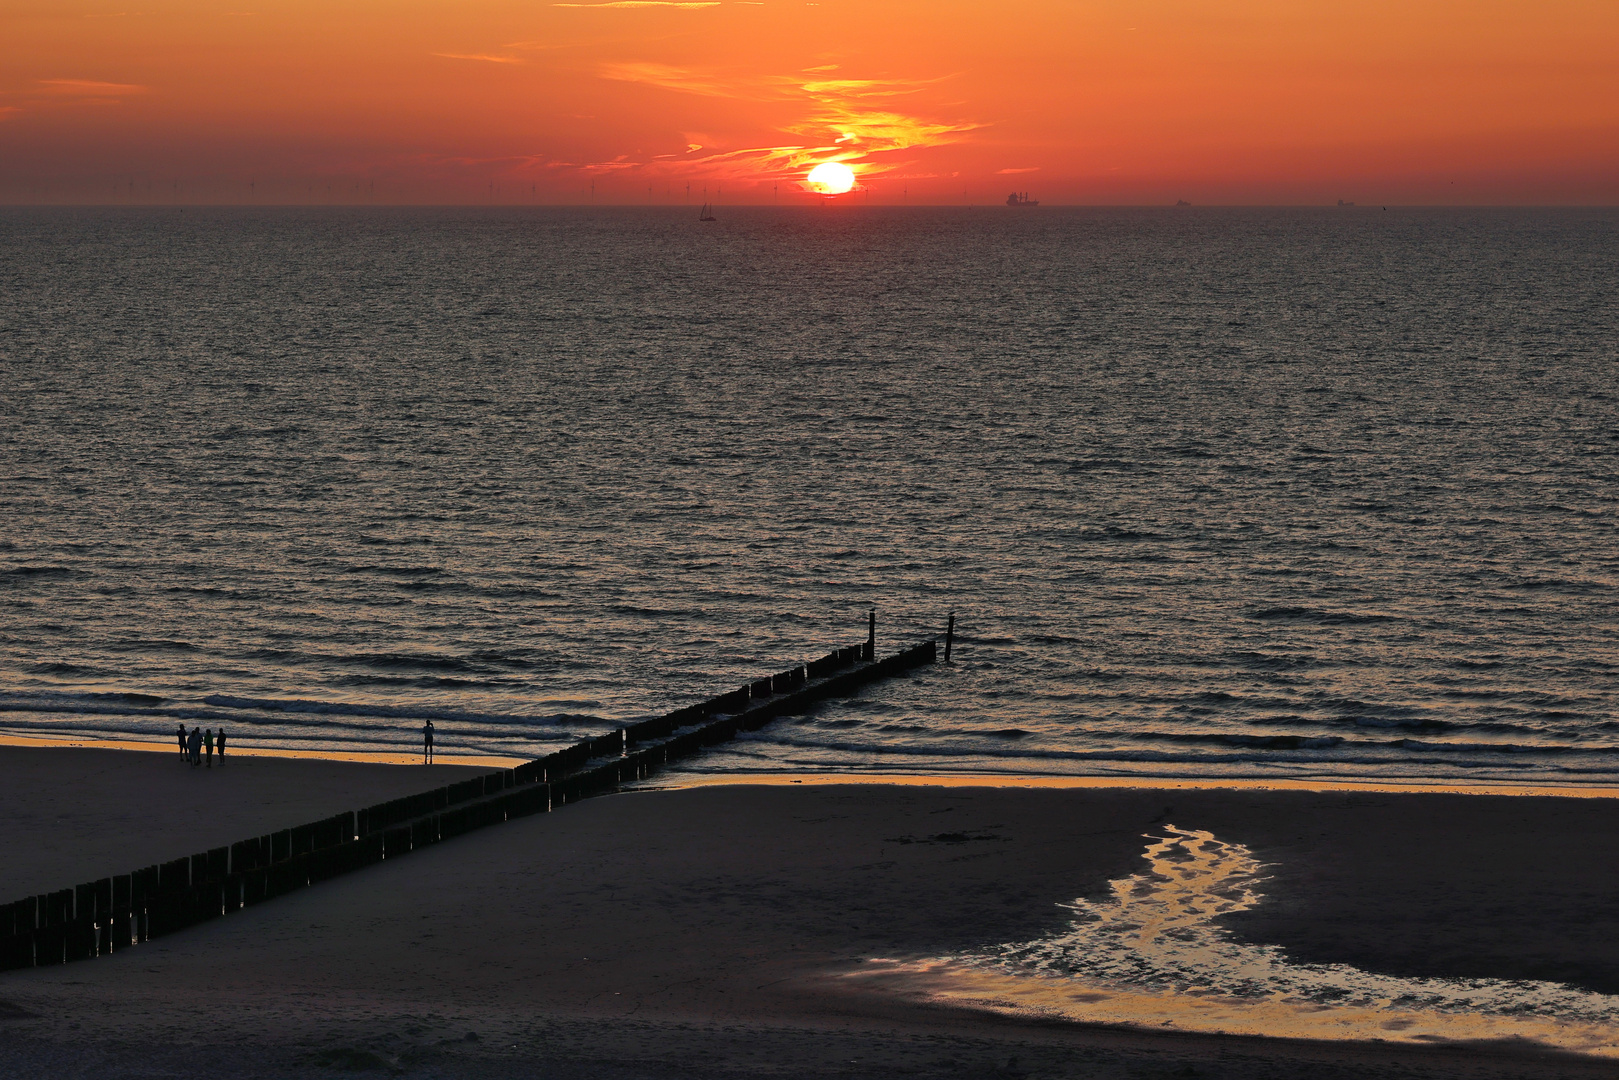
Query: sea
(1276, 494)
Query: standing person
(194, 744)
(182, 734)
(427, 743)
(219, 741)
(208, 742)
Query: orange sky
(931, 101)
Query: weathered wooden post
(871, 636)
(949, 636)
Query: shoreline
(675, 779)
(152, 746)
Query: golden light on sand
(831, 178)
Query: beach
(764, 929)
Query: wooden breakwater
(119, 912)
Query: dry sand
(707, 932)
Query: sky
(733, 101)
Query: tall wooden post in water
(871, 636)
(949, 636)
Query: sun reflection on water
(1151, 954)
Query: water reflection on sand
(1152, 954)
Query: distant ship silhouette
(1021, 199)
(706, 214)
(1182, 202)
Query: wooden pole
(871, 636)
(949, 636)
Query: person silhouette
(194, 744)
(219, 741)
(182, 734)
(427, 743)
(208, 743)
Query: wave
(480, 662)
(1324, 750)
(61, 667)
(25, 572)
(409, 660)
(293, 712)
(1326, 618)
(410, 712)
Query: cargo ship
(1021, 199)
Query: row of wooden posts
(115, 913)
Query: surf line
(109, 915)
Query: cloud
(88, 88)
(669, 78)
(862, 87)
(7, 111)
(1013, 172)
(647, 4)
(878, 131)
(480, 56)
(839, 107)
(835, 119)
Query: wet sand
(70, 815)
(711, 931)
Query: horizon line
(850, 204)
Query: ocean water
(1212, 492)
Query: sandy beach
(74, 814)
(732, 930)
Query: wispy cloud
(480, 56)
(1014, 172)
(872, 131)
(7, 111)
(669, 78)
(838, 114)
(647, 4)
(89, 88)
(861, 87)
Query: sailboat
(707, 214)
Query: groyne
(108, 915)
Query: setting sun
(831, 178)
(574, 102)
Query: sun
(831, 178)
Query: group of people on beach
(192, 745)
(198, 745)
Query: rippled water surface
(1211, 492)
